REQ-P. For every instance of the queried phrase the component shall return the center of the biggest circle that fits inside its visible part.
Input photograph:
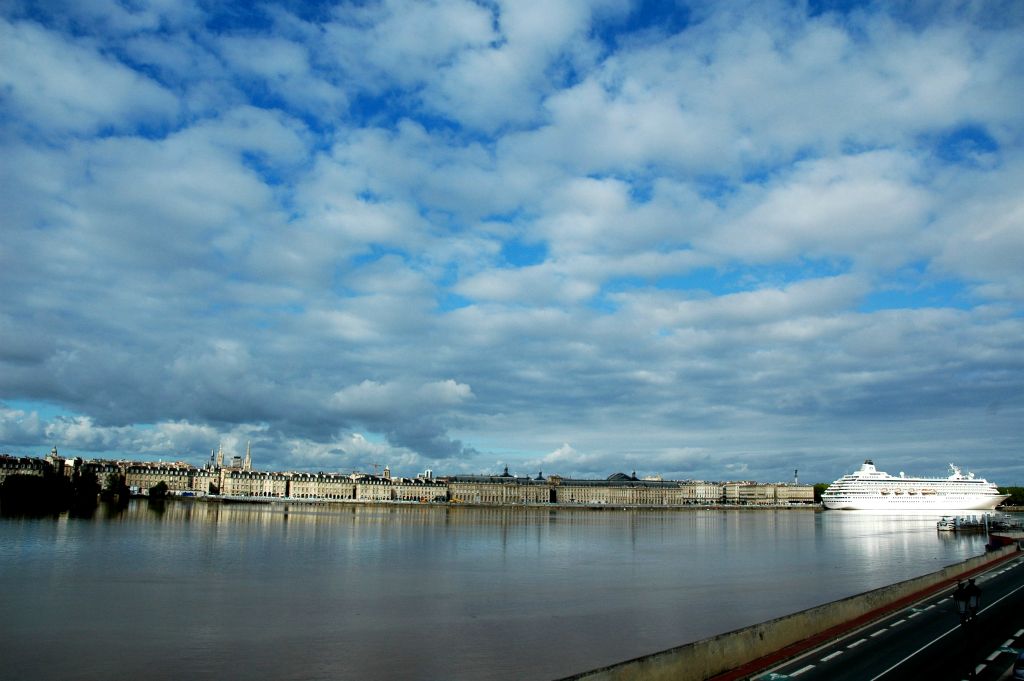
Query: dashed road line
(1019, 633)
(833, 655)
(1008, 643)
(978, 669)
(897, 622)
(878, 633)
(856, 643)
(994, 655)
(798, 672)
(914, 614)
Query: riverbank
(337, 503)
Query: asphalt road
(926, 641)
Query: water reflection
(385, 592)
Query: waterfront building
(372, 488)
(180, 478)
(240, 481)
(320, 486)
(419, 489)
(758, 494)
(22, 465)
(498, 489)
(794, 493)
(246, 483)
(627, 490)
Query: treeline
(52, 493)
(49, 493)
(1016, 495)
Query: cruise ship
(869, 489)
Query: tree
(158, 491)
(85, 492)
(1016, 495)
(115, 490)
(819, 489)
(34, 494)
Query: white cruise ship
(872, 490)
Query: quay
(751, 652)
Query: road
(926, 641)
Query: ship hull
(935, 503)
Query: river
(198, 590)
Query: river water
(202, 590)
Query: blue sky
(701, 240)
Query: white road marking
(897, 622)
(994, 655)
(914, 614)
(1008, 643)
(878, 633)
(925, 646)
(977, 670)
(798, 672)
(1020, 633)
(931, 606)
(833, 655)
(856, 643)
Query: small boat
(962, 523)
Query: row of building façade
(236, 481)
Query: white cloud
(56, 85)
(868, 208)
(450, 234)
(405, 42)
(283, 66)
(373, 400)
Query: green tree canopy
(158, 491)
(1016, 495)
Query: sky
(720, 241)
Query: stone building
(240, 481)
(757, 494)
(180, 478)
(247, 483)
(372, 488)
(498, 489)
(22, 465)
(419, 489)
(334, 486)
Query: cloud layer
(711, 241)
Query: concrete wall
(718, 654)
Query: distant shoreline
(447, 504)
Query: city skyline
(702, 241)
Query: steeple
(247, 464)
(220, 455)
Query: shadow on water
(157, 506)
